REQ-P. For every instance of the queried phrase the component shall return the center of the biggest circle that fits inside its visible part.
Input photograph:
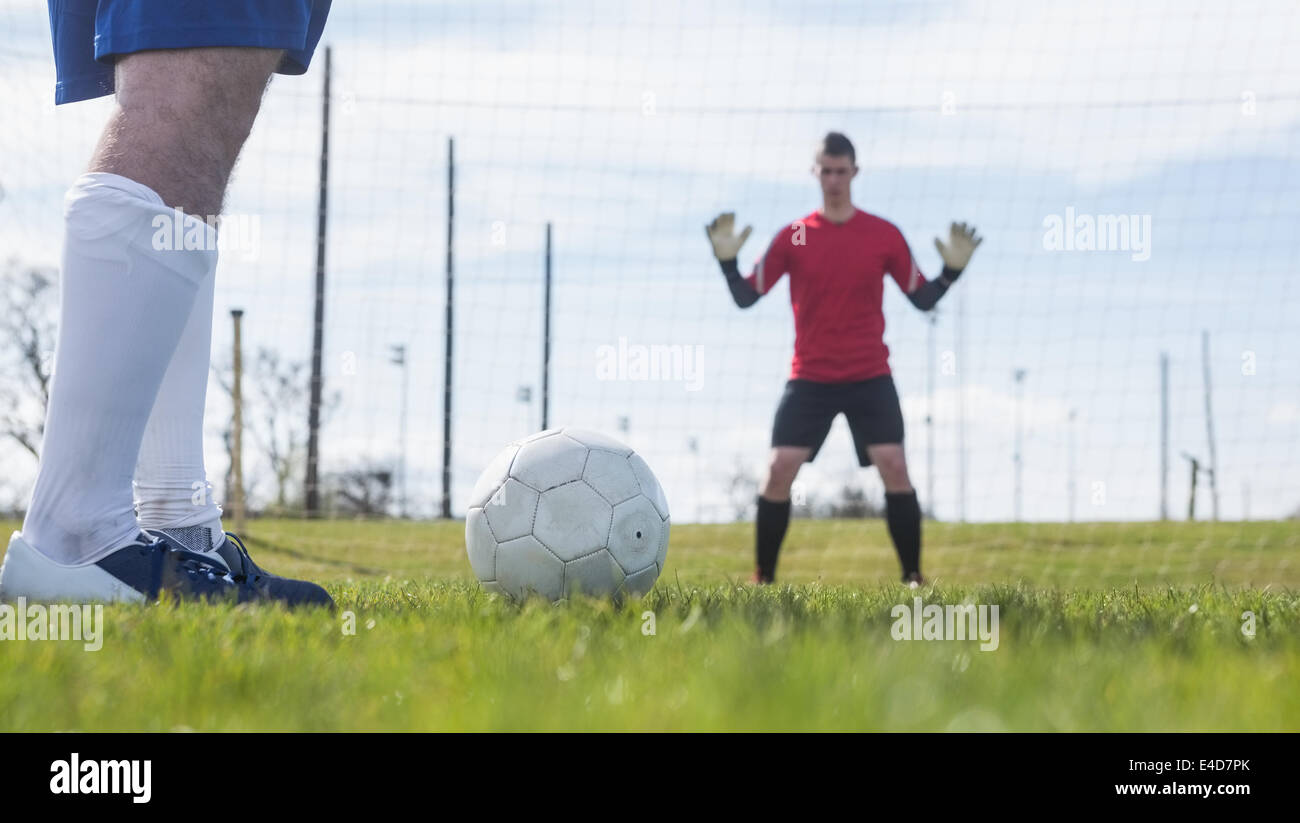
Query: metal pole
(237, 435)
(961, 410)
(399, 359)
(1020, 397)
(449, 331)
(929, 415)
(1213, 469)
(1164, 436)
(1070, 488)
(546, 337)
(310, 486)
(1191, 495)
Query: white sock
(123, 306)
(171, 485)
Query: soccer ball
(567, 511)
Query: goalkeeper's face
(836, 173)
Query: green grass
(1102, 627)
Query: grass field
(1102, 627)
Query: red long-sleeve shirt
(837, 275)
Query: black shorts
(807, 410)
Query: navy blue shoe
(244, 570)
(138, 572)
(229, 551)
(232, 556)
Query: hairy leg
(181, 119)
(172, 140)
(172, 491)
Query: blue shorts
(89, 34)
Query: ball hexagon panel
(549, 462)
(597, 573)
(481, 544)
(636, 535)
(596, 440)
(572, 520)
(649, 485)
(525, 566)
(510, 510)
(641, 582)
(611, 476)
(493, 476)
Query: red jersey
(837, 279)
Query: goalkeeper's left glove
(956, 253)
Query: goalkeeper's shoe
(139, 572)
(230, 552)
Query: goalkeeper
(837, 258)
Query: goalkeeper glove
(956, 253)
(726, 244)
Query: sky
(628, 126)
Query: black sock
(772, 521)
(904, 515)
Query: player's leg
(189, 83)
(170, 142)
(876, 421)
(172, 491)
(802, 422)
(171, 485)
(902, 509)
(181, 119)
(773, 517)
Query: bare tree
(366, 491)
(28, 310)
(742, 490)
(853, 502)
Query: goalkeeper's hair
(835, 144)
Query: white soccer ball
(567, 511)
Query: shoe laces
(247, 568)
(192, 563)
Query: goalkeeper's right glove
(726, 244)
